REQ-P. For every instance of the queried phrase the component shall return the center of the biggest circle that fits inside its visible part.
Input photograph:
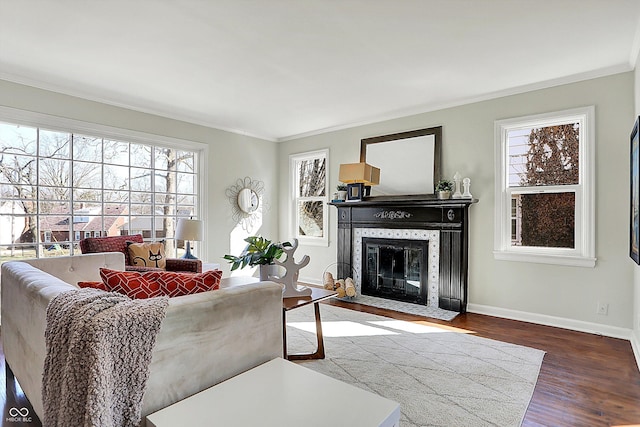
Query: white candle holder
(466, 183)
(456, 179)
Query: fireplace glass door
(395, 269)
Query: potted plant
(259, 251)
(342, 191)
(444, 188)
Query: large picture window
(544, 188)
(58, 186)
(310, 196)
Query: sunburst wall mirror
(245, 197)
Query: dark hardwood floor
(585, 380)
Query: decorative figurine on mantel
(457, 178)
(290, 278)
(466, 183)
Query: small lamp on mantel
(359, 178)
(187, 230)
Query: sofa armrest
(182, 264)
(209, 337)
(26, 292)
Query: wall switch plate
(603, 308)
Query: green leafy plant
(259, 251)
(341, 187)
(444, 185)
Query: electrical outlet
(602, 308)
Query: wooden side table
(317, 295)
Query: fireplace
(427, 240)
(395, 269)
(381, 240)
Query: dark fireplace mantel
(449, 217)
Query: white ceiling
(278, 69)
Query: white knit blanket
(99, 348)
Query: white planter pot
(268, 270)
(444, 194)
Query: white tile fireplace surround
(430, 236)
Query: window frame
(583, 254)
(294, 199)
(73, 126)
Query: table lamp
(187, 230)
(359, 178)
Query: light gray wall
(551, 293)
(231, 156)
(545, 293)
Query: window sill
(573, 261)
(310, 241)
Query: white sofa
(205, 338)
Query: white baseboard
(635, 345)
(310, 280)
(559, 322)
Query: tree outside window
(544, 156)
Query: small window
(544, 191)
(310, 196)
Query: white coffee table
(280, 393)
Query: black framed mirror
(409, 162)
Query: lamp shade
(364, 173)
(189, 229)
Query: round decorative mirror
(248, 200)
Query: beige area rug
(440, 377)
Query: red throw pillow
(175, 284)
(95, 285)
(130, 283)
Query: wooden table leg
(319, 353)
(284, 334)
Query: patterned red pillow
(95, 285)
(175, 284)
(130, 283)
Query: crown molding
(390, 115)
(426, 108)
(86, 95)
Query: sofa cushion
(149, 254)
(92, 245)
(175, 284)
(155, 283)
(129, 283)
(91, 284)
